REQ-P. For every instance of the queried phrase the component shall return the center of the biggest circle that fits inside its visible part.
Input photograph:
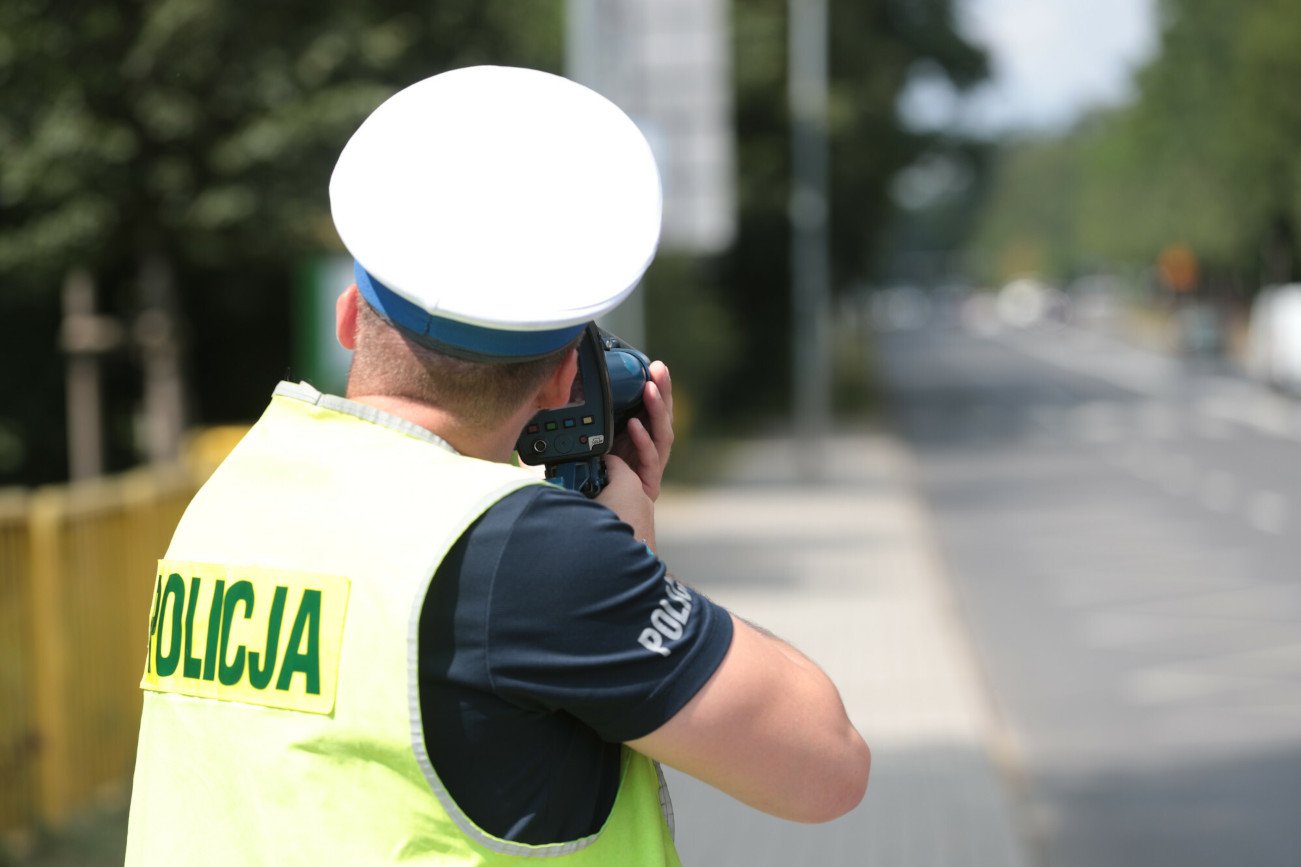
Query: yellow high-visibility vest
(281, 718)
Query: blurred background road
(1123, 530)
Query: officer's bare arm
(769, 727)
(770, 730)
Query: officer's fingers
(626, 496)
(617, 469)
(620, 478)
(660, 432)
(659, 374)
(647, 461)
(659, 415)
(625, 446)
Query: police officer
(373, 638)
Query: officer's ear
(556, 389)
(345, 318)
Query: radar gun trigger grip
(571, 440)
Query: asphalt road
(1124, 532)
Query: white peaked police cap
(493, 211)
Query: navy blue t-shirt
(548, 637)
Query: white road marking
(1170, 684)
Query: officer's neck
(495, 445)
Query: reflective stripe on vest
(281, 719)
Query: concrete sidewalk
(846, 569)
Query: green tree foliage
(1024, 230)
(1208, 155)
(203, 128)
(198, 133)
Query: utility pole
(810, 242)
(84, 336)
(155, 334)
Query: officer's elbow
(848, 790)
(838, 789)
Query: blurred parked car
(1274, 337)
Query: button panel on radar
(563, 442)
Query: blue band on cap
(447, 334)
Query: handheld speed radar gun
(571, 440)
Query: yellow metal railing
(18, 732)
(76, 573)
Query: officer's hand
(644, 445)
(625, 495)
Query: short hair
(481, 394)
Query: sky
(1050, 60)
